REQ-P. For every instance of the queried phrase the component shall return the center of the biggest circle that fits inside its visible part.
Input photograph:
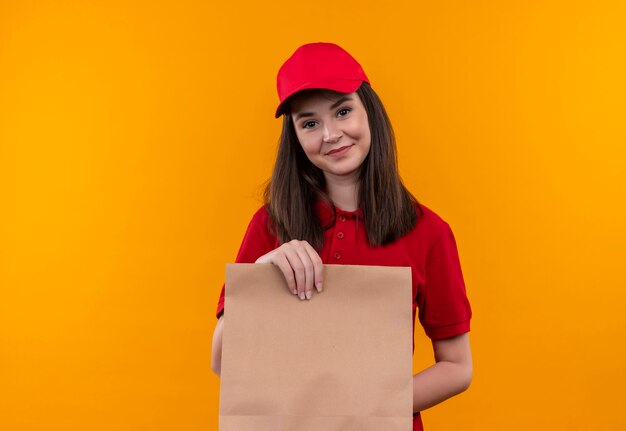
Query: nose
(331, 133)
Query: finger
(266, 258)
(309, 275)
(298, 270)
(318, 266)
(280, 260)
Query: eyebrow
(333, 106)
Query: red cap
(318, 65)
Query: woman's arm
(216, 355)
(449, 376)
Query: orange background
(135, 136)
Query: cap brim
(340, 85)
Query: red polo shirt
(430, 250)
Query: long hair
(389, 209)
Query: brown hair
(388, 207)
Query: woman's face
(334, 133)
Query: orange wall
(134, 137)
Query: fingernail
(301, 296)
(309, 295)
(319, 286)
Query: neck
(343, 191)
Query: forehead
(313, 100)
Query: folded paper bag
(340, 361)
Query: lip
(338, 152)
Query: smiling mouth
(336, 150)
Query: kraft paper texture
(340, 361)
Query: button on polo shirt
(342, 236)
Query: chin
(343, 172)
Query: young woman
(336, 197)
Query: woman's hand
(300, 264)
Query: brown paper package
(340, 361)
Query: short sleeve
(257, 241)
(444, 309)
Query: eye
(308, 124)
(343, 112)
